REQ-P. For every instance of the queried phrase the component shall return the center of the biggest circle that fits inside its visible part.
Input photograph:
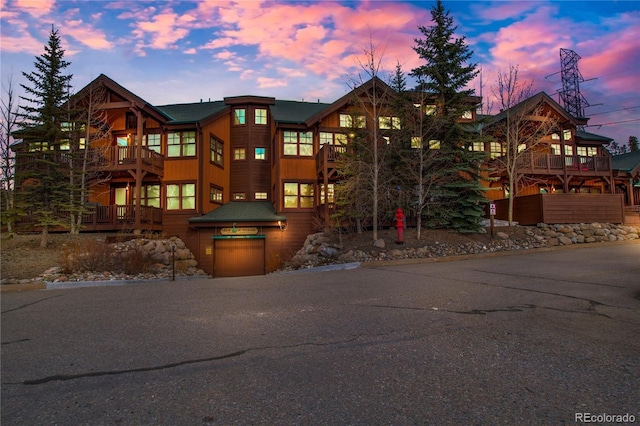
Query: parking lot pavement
(538, 338)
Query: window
(181, 196)
(348, 120)
(566, 134)
(260, 196)
(260, 154)
(215, 194)
(153, 142)
(568, 150)
(239, 117)
(416, 142)
(298, 195)
(239, 196)
(239, 153)
(389, 123)
(327, 138)
(587, 151)
(217, 149)
(429, 109)
(495, 149)
(467, 115)
(555, 149)
(477, 146)
(434, 144)
(150, 196)
(261, 116)
(329, 193)
(298, 143)
(181, 144)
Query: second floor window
(153, 142)
(260, 154)
(349, 121)
(181, 196)
(298, 143)
(239, 116)
(261, 115)
(181, 144)
(389, 123)
(217, 149)
(327, 138)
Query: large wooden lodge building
(245, 179)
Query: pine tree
(458, 198)
(633, 144)
(44, 184)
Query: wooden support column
(138, 173)
(565, 183)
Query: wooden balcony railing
(112, 158)
(533, 162)
(327, 156)
(110, 218)
(115, 158)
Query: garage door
(236, 257)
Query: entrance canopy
(240, 211)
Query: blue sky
(183, 51)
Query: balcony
(326, 159)
(575, 165)
(108, 159)
(123, 158)
(109, 218)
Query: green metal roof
(241, 211)
(586, 136)
(295, 112)
(629, 162)
(191, 113)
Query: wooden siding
(250, 175)
(211, 173)
(564, 208)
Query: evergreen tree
(633, 144)
(458, 197)
(44, 183)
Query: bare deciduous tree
(8, 123)
(89, 125)
(520, 127)
(373, 103)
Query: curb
(378, 263)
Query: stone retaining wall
(319, 249)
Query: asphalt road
(519, 339)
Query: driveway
(536, 338)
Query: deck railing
(327, 156)
(111, 217)
(105, 158)
(574, 163)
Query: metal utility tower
(574, 102)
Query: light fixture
(283, 226)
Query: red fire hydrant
(400, 225)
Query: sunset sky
(184, 51)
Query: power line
(613, 122)
(615, 110)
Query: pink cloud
(267, 83)
(164, 30)
(37, 8)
